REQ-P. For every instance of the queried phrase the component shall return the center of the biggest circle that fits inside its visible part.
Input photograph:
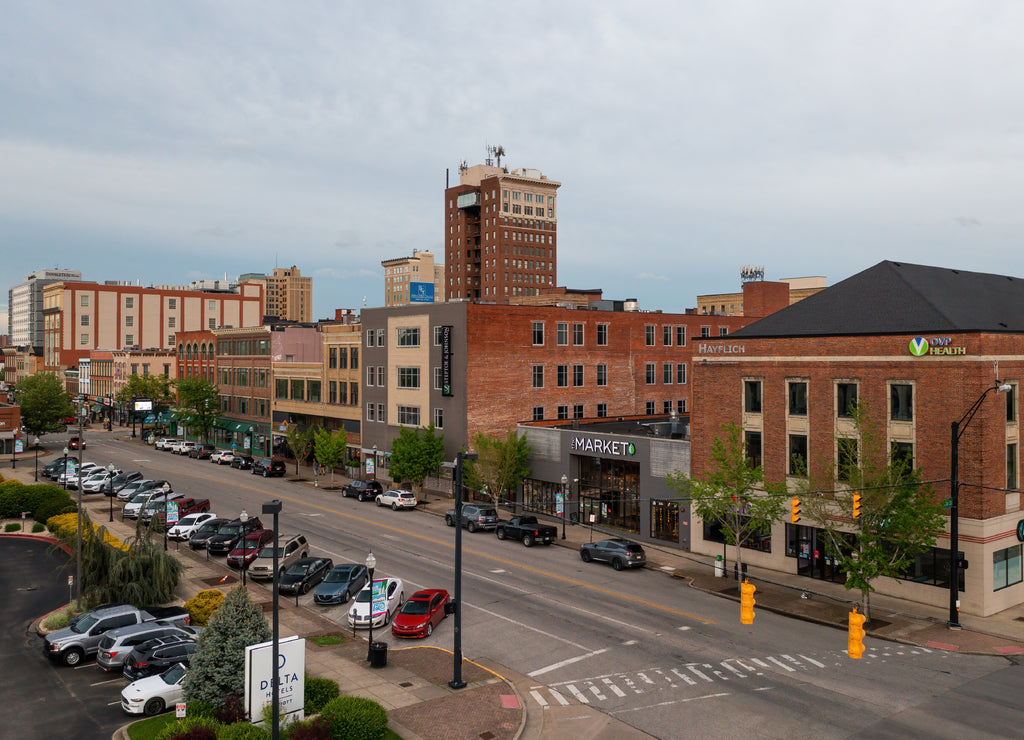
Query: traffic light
(747, 602)
(856, 506)
(796, 510)
(855, 644)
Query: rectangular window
(438, 378)
(381, 377)
(129, 302)
(563, 376)
(901, 402)
(666, 407)
(723, 331)
(1011, 403)
(562, 333)
(353, 392)
(343, 393)
(380, 413)
(129, 321)
(85, 300)
(752, 396)
(577, 335)
(438, 336)
(409, 337)
(602, 335)
(577, 411)
(681, 405)
(332, 391)
(211, 305)
(602, 411)
(903, 454)
(666, 336)
(171, 322)
(314, 391)
(371, 337)
(681, 373)
(705, 332)
(83, 339)
(649, 408)
(577, 375)
(1006, 567)
(602, 374)
(846, 399)
(538, 333)
(538, 413)
(563, 413)
(667, 369)
(1011, 466)
(85, 319)
(797, 398)
(371, 375)
(298, 390)
(343, 357)
(371, 412)
(332, 354)
(797, 454)
(680, 336)
(408, 377)
(129, 339)
(752, 448)
(649, 335)
(172, 303)
(409, 416)
(355, 358)
(211, 323)
(380, 337)
(846, 453)
(438, 418)
(650, 373)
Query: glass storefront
(609, 491)
(665, 520)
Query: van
(289, 549)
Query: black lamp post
(110, 493)
(565, 481)
(65, 470)
(78, 558)
(957, 430)
(274, 507)
(36, 445)
(243, 518)
(371, 563)
(457, 682)
(132, 412)
(167, 491)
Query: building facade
(790, 291)
(416, 279)
(244, 378)
(25, 305)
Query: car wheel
(73, 656)
(344, 597)
(430, 629)
(449, 521)
(378, 501)
(501, 533)
(266, 473)
(471, 526)
(305, 588)
(585, 556)
(528, 540)
(153, 707)
(617, 564)
(394, 507)
(387, 618)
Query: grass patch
(149, 728)
(59, 618)
(392, 735)
(325, 640)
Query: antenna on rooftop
(751, 273)
(497, 151)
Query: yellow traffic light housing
(796, 510)
(856, 506)
(855, 643)
(747, 602)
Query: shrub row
(41, 500)
(66, 526)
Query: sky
(165, 142)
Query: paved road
(637, 645)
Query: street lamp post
(274, 507)
(110, 493)
(375, 462)
(371, 563)
(78, 554)
(167, 490)
(35, 444)
(565, 481)
(132, 412)
(457, 682)
(65, 470)
(243, 518)
(956, 432)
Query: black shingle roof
(899, 298)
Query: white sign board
(290, 682)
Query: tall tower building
(25, 305)
(409, 280)
(288, 295)
(500, 233)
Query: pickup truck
(527, 529)
(186, 506)
(157, 502)
(82, 637)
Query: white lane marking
(615, 689)
(645, 679)
(725, 664)
(779, 663)
(666, 677)
(812, 660)
(111, 680)
(498, 571)
(684, 628)
(540, 699)
(670, 703)
(561, 699)
(563, 663)
(747, 668)
(698, 673)
(597, 692)
(683, 676)
(627, 643)
(580, 697)
(528, 627)
(759, 662)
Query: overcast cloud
(163, 142)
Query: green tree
(198, 404)
(156, 388)
(44, 402)
(900, 515)
(300, 442)
(217, 668)
(500, 466)
(329, 449)
(416, 453)
(734, 494)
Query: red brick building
(920, 345)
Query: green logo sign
(918, 346)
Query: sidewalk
(413, 686)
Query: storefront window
(665, 520)
(760, 541)
(609, 490)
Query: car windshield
(363, 597)
(190, 519)
(84, 624)
(415, 606)
(209, 528)
(138, 498)
(173, 674)
(338, 575)
(230, 529)
(299, 569)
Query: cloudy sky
(164, 142)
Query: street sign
(172, 512)
(71, 580)
(558, 503)
(947, 504)
(19, 446)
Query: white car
(164, 443)
(188, 524)
(397, 499)
(222, 457)
(386, 607)
(74, 475)
(99, 482)
(154, 694)
(182, 447)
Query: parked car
(267, 467)
(153, 694)
(617, 551)
(222, 457)
(76, 443)
(137, 486)
(81, 638)
(123, 479)
(53, 469)
(182, 447)
(394, 594)
(528, 530)
(99, 481)
(474, 517)
(157, 502)
(189, 524)
(201, 451)
(242, 462)
(164, 443)
(249, 547)
(364, 490)
(198, 539)
(303, 574)
(340, 583)
(289, 549)
(421, 613)
(116, 644)
(156, 656)
(230, 534)
(72, 478)
(397, 499)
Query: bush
(355, 718)
(193, 727)
(202, 606)
(241, 731)
(310, 729)
(319, 691)
(12, 527)
(37, 527)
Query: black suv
(156, 656)
(267, 467)
(230, 534)
(364, 490)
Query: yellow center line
(451, 546)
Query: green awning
(234, 426)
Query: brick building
(920, 345)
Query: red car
(249, 548)
(423, 611)
(76, 444)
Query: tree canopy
(156, 388)
(500, 466)
(329, 448)
(44, 403)
(198, 404)
(300, 442)
(416, 453)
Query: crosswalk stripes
(621, 685)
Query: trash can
(378, 654)
(719, 567)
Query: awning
(96, 407)
(234, 426)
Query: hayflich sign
(602, 446)
(921, 346)
(711, 348)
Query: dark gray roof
(899, 298)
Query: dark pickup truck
(527, 529)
